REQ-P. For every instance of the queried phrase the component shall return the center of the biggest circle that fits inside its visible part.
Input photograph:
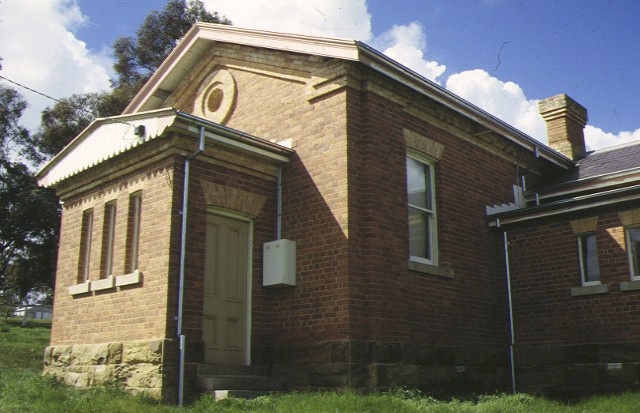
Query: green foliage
(13, 137)
(30, 214)
(28, 232)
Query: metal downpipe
(279, 205)
(511, 329)
(183, 249)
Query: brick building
(574, 251)
(308, 210)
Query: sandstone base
(138, 366)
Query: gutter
(607, 198)
(591, 183)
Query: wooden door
(226, 299)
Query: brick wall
(405, 305)
(566, 337)
(276, 100)
(131, 312)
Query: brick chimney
(566, 120)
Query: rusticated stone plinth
(137, 366)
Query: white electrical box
(279, 263)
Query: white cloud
(405, 44)
(596, 138)
(506, 100)
(330, 18)
(40, 50)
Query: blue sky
(502, 55)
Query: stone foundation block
(136, 366)
(143, 352)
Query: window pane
(109, 233)
(418, 184)
(633, 245)
(419, 234)
(133, 238)
(589, 257)
(85, 246)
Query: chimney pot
(566, 120)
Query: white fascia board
(237, 139)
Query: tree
(28, 231)
(136, 60)
(13, 137)
(30, 214)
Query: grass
(24, 389)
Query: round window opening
(214, 100)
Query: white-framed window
(85, 245)
(133, 231)
(632, 236)
(422, 210)
(109, 233)
(588, 254)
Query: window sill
(430, 269)
(590, 290)
(78, 289)
(630, 285)
(103, 284)
(129, 279)
(106, 283)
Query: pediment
(188, 63)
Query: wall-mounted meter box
(279, 263)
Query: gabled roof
(604, 162)
(202, 35)
(105, 138)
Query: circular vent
(216, 97)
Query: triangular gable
(103, 139)
(106, 138)
(199, 39)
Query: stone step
(229, 370)
(239, 394)
(239, 382)
(225, 381)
